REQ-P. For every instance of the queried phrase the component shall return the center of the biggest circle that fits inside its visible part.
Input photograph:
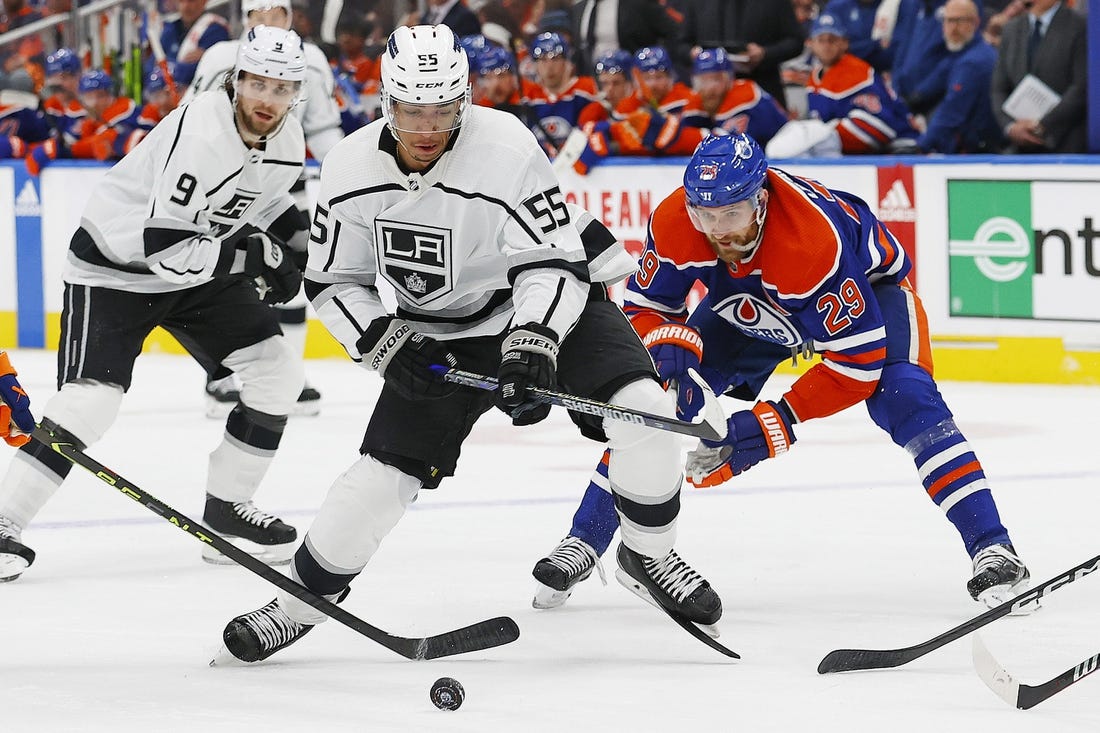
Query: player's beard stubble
(722, 245)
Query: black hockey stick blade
(482, 635)
(699, 634)
(1019, 694)
(849, 660)
(587, 406)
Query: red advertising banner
(897, 208)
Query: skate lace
(273, 627)
(574, 556)
(995, 558)
(247, 511)
(9, 529)
(674, 575)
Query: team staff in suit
(764, 30)
(454, 14)
(1058, 60)
(626, 24)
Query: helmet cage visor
(425, 118)
(721, 221)
(278, 92)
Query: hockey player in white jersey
(182, 233)
(457, 208)
(320, 118)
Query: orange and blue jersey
(64, 117)
(870, 114)
(679, 121)
(110, 138)
(807, 285)
(20, 124)
(558, 113)
(748, 108)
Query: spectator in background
(351, 48)
(872, 26)
(920, 47)
(734, 105)
(26, 51)
(600, 27)
(187, 37)
(853, 110)
(995, 26)
(758, 34)
(562, 94)
(1048, 43)
(454, 14)
(110, 130)
(963, 122)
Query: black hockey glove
(529, 358)
(270, 264)
(404, 359)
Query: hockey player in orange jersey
(792, 268)
(852, 109)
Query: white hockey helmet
(424, 65)
(272, 52)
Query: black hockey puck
(447, 694)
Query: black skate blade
(696, 630)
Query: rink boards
(1005, 250)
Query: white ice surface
(832, 546)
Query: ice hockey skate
(15, 557)
(309, 402)
(262, 535)
(999, 575)
(567, 564)
(255, 636)
(670, 584)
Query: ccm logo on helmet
(429, 85)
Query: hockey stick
(586, 406)
(153, 31)
(482, 635)
(1017, 693)
(848, 660)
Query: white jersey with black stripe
(157, 220)
(318, 112)
(480, 239)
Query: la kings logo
(416, 259)
(226, 217)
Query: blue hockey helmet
(495, 59)
(155, 82)
(62, 61)
(95, 79)
(474, 46)
(615, 62)
(725, 169)
(711, 59)
(548, 46)
(652, 58)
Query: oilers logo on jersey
(416, 259)
(758, 318)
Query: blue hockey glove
(15, 406)
(675, 348)
(765, 431)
